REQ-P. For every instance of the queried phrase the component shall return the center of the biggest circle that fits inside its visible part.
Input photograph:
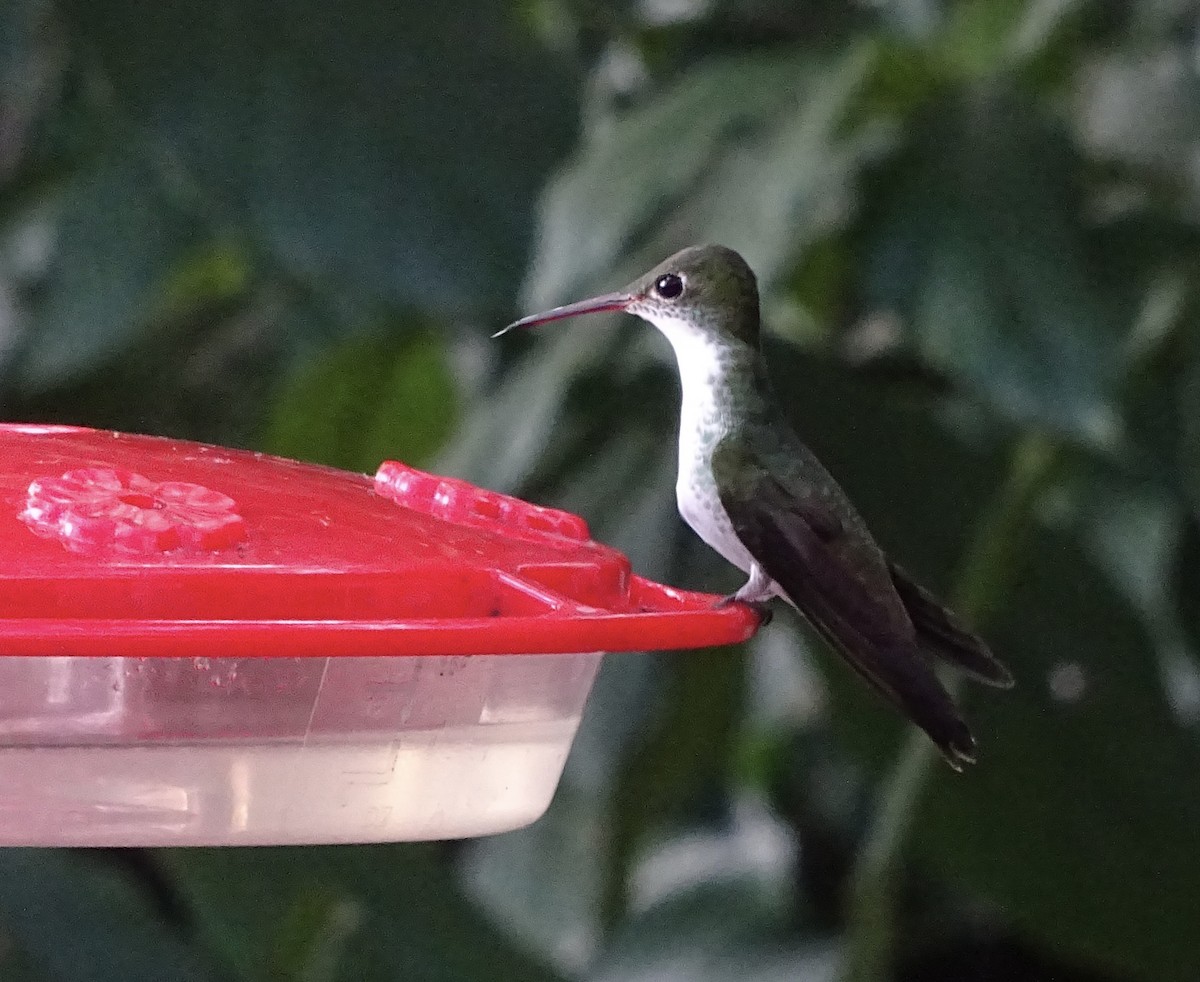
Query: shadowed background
(293, 225)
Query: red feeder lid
(115, 544)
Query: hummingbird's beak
(605, 302)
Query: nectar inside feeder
(207, 646)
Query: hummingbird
(757, 495)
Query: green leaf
(369, 400)
(748, 151)
(352, 913)
(28, 68)
(16, 966)
(118, 242)
(511, 434)
(977, 249)
(977, 34)
(1140, 107)
(543, 884)
(1187, 410)
(21, 22)
(17, 19)
(368, 142)
(204, 374)
(1133, 527)
(1080, 819)
(687, 752)
(713, 904)
(981, 37)
(76, 920)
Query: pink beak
(605, 302)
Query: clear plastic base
(119, 752)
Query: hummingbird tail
(902, 676)
(942, 634)
(834, 574)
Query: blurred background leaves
(292, 226)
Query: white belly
(703, 422)
(700, 507)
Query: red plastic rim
(119, 545)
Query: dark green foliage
(370, 399)
(976, 225)
(352, 914)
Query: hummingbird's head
(704, 291)
(704, 288)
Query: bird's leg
(755, 592)
(757, 589)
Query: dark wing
(942, 634)
(839, 580)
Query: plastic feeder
(208, 646)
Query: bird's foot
(761, 607)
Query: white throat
(703, 378)
(704, 420)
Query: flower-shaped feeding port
(108, 509)
(457, 501)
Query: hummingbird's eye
(669, 286)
